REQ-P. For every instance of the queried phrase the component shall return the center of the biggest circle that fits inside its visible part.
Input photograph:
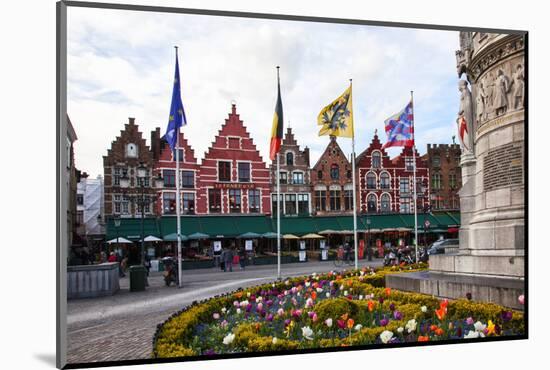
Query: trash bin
(138, 276)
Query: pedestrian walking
(242, 257)
(228, 260)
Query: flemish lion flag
(277, 127)
(336, 118)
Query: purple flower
(506, 316)
(209, 352)
(310, 314)
(381, 300)
(392, 307)
(287, 321)
(248, 307)
(269, 317)
(384, 322)
(469, 296)
(469, 321)
(269, 302)
(397, 315)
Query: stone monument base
(499, 290)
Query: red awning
(452, 230)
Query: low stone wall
(88, 281)
(502, 291)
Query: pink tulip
(521, 299)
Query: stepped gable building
(446, 178)
(331, 182)
(165, 164)
(127, 152)
(233, 177)
(295, 178)
(386, 185)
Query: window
(348, 199)
(125, 205)
(274, 203)
(187, 179)
(169, 178)
(371, 203)
(371, 180)
(244, 171)
(320, 175)
(283, 177)
(145, 180)
(235, 200)
(405, 205)
(169, 203)
(297, 177)
(404, 186)
(376, 160)
(79, 217)
(348, 174)
(119, 172)
(335, 200)
(146, 207)
(409, 163)
(180, 155)
(303, 203)
(452, 180)
(117, 203)
(254, 200)
(320, 200)
(224, 171)
(436, 181)
(234, 143)
(384, 180)
(289, 159)
(436, 161)
(334, 172)
(214, 200)
(188, 203)
(385, 203)
(290, 204)
(80, 199)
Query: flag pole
(414, 184)
(278, 207)
(353, 184)
(178, 221)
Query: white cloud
(121, 64)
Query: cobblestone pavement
(121, 327)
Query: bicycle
(343, 258)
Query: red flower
(422, 338)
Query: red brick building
(331, 182)
(127, 152)
(165, 164)
(233, 176)
(386, 185)
(295, 178)
(446, 176)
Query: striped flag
(277, 127)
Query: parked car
(443, 246)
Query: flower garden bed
(323, 311)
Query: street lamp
(117, 225)
(369, 251)
(142, 199)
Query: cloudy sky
(121, 64)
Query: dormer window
(131, 150)
(376, 160)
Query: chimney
(131, 120)
(306, 155)
(155, 144)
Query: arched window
(385, 203)
(289, 159)
(371, 203)
(334, 172)
(371, 180)
(376, 159)
(384, 180)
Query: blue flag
(177, 113)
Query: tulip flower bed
(329, 310)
